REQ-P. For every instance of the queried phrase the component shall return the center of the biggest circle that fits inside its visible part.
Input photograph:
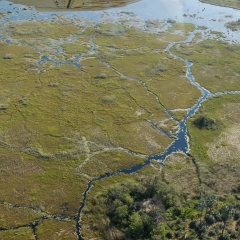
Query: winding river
(181, 143)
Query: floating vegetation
(234, 25)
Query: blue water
(213, 17)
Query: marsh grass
(76, 47)
(48, 117)
(163, 77)
(24, 233)
(217, 151)
(179, 114)
(55, 120)
(110, 161)
(15, 217)
(41, 29)
(224, 3)
(214, 63)
(52, 229)
(32, 181)
(109, 35)
(234, 25)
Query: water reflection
(75, 5)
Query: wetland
(117, 126)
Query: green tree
(204, 122)
(201, 206)
(211, 201)
(135, 225)
(122, 214)
(227, 212)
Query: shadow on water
(74, 5)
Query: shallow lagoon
(193, 11)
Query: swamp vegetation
(79, 101)
(224, 3)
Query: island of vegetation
(224, 3)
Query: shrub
(193, 224)
(210, 219)
(237, 216)
(204, 122)
(212, 233)
(225, 237)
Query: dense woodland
(152, 209)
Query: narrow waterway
(180, 144)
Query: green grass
(217, 151)
(15, 217)
(214, 63)
(52, 229)
(24, 233)
(110, 161)
(163, 75)
(213, 108)
(179, 114)
(64, 126)
(46, 184)
(62, 94)
(76, 47)
(121, 37)
(41, 29)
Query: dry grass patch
(217, 151)
(181, 172)
(220, 178)
(226, 147)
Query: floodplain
(88, 109)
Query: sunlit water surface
(201, 14)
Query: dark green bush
(204, 122)
(212, 233)
(225, 237)
(210, 219)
